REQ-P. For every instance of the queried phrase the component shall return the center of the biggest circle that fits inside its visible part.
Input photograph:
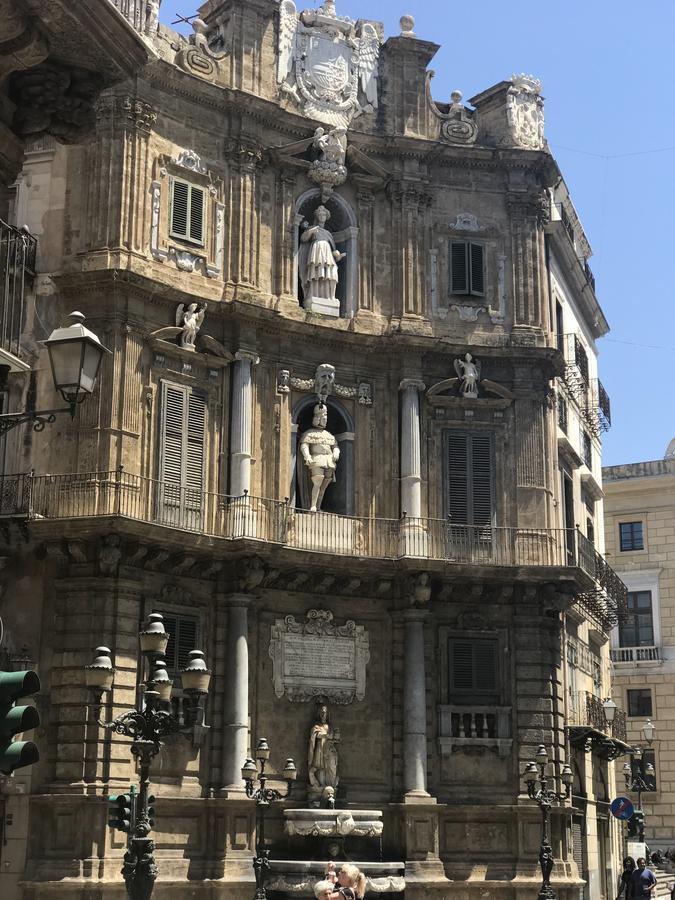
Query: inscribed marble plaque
(317, 658)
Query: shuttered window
(473, 666)
(181, 456)
(467, 268)
(183, 634)
(469, 479)
(187, 211)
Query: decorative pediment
(448, 391)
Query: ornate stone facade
(440, 556)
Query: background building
(458, 546)
(640, 535)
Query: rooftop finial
(407, 24)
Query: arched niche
(343, 227)
(339, 496)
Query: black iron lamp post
(639, 777)
(75, 355)
(538, 789)
(263, 797)
(146, 725)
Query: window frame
(187, 236)
(470, 290)
(480, 696)
(640, 712)
(636, 615)
(632, 524)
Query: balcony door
(469, 494)
(180, 491)
(637, 630)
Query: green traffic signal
(120, 814)
(151, 809)
(17, 719)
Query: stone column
(415, 707)
(241, 426)
(411, 475)
(235, 710)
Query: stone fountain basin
(333, 822)
(299, 876)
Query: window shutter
(459, 268)
(181, 455)
(477, 264)
(481, 479)
(179, 208)
(457, 487)
(462, 665)
(196, 214)
(183, 634)
(485, 659)
(469, 478)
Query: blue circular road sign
(621, 808)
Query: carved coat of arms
(327, 64)
(525, 112)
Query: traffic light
(635, 824)
(121, 811)
(17, 719)
(151, 809)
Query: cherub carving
(468, 370)
(190, 321)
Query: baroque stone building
(640, 535)
(271, 217)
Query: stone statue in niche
(190, 321)
(468, 370)
(318, 265)
(320, 452)
(322, 759)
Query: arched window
(343, 227)
(339, 496)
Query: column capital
(414, 614)
(247, 356)
(237, 600)
(415, 383)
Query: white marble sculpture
(322, 759)
(190, 321)
(320, 453)
(318, 261)
(468, 370)
(327, 63)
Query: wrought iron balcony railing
(18, 249)
(134, 11)
(586, 710)
(117, 493)
(590, 277)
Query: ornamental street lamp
(538, 790)
(75, 355)
(263, 796)
(639, 777)
(146, 725)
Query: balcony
(133, 497)
(634, 656)
(588, 728)
(17, 271)
(475, 727)
(133, 11)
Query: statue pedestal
(298, 877)
(333, 822)
(324, 531)
(322, 305)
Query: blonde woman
(348, 884)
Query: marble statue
(318, 262)
(468, 371)
(322, 759)
(190, 321)
(152, 17)
(320, 453)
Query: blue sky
(608, 73)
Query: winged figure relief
(288, 23)
(189, 319)
(369, 53)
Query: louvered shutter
(457, 486)
(179, 208)
(181, 457)
(196, 214)
(469, 478)
(477, 267)
(577, 843)
(473, 666)
(459, 268)
(183, 636)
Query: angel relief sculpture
(189, 320)
(468, 371)
(327, 63)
